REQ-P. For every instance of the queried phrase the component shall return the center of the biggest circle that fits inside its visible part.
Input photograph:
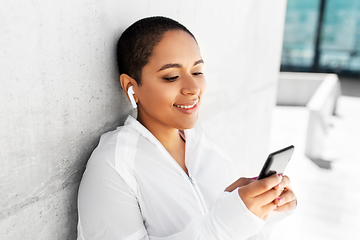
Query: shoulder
(114, 156)
(106, 150)
(115, 145)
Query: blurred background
(321, 38)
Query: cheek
(202, 84)
(156, 97)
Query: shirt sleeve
(107, 208)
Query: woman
(158, 177)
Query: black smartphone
(276, 162)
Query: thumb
(239, 183)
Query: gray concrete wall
(59, 92)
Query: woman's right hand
(259, 196)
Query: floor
(328, 197)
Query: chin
(187, 125)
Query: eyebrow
(176, 65)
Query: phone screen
(276, 162)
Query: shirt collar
(137, 126)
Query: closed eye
(197, 73)
(171, 79)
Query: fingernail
(254, 178)
(280, 175)
(280, 186)
(279, 200)
(276, 207)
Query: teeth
(186, 107)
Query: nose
(190, 86)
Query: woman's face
(171, 83)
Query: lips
(187, 106)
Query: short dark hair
(137, 42)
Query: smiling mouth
(187, 106)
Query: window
(322, 36)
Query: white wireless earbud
(131, 96)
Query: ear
(126, 82)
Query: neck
(168, 136)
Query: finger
(287, 207)
(259, 187)
(279, 187)
(268, 208)
(268, 197)
(285, 197)
(285, 182)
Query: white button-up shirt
(133, 189)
